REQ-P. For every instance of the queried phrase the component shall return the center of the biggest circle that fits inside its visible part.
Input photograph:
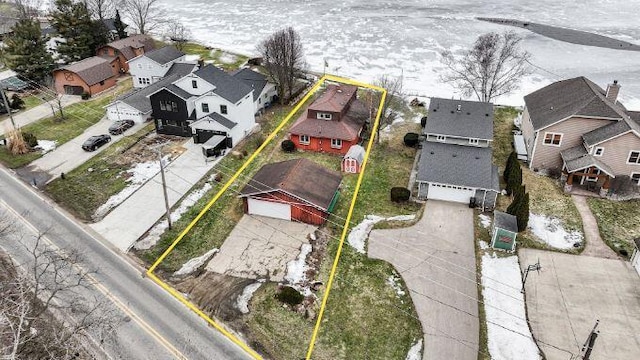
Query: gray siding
(527, 132)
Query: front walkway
(594, 245)
(436, 258)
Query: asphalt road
(157, 326)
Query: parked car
(94, 142)
(120, 126)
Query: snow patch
(394, 282)
(505, 309)
(415, 351)
(46, 145)
(550, 231)
(483, 245)
(227, 58)
(485, 220)
(242, 302)
(195, 263)
(191, 58)
(296, 269)
(359, 234)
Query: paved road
(431, 257)
(38, 112)
(594, 245)
(160, 327)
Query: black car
(94, 142)
(120, 126)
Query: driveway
(571, 292)
(436, 258)
(260, 248)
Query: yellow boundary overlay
(235, 176)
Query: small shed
(635, 258)
(504, 231)
(353, 159)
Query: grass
(215, 55)
(618, 222)
(481, 234)
(502, 139)
(83, 191)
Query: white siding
(144, 68)
(269, 208)
(121, 111)
(186, 84)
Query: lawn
(224, 59)
(618, 221)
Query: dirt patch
(145, 149)
(33, 176)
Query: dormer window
(473, 141)
(441, 138)
(324, 116)
(598, 151)
(223, 109)
(194, 84)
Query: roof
(505, 221)
(606, 132)
(181, 69)
(205, 123)
(178, 91)
(348, 128)
(292, 177)
(562, 99)
(127, 45)
(253, 79)
(458, 165)
(468, 119)
(227, 86)
(92, 70)
(334, 99)
(636, 241)
(164, 55)
(577, 158)
(356, 152)
(9, 80)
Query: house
(150, 67)
(352, 160)
(284, 191)
(635, 257)
(9, 80)
(264, 92)
(127, 49)
(202, 104)
(576, 127)
(504, 231)
(136, 105)
(91, 75)
(456, 157)
(332, 123)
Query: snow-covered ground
(485, 220)
(394, 282)
(414, 351)
(550, 231)
(362, 39)
(242, 302)
(508, 333)
(296, 269)
(358, 235)
(195, 263)
(46, 145)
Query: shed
(298, 190)
(352, 160)
(505, 229)
(635, 258)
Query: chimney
(612, 91)
(459, 108)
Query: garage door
(269, 209)
(73, 90)
(450, 193)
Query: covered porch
(585, 172)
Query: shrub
(30, 139)
(423, 121)
(288, 146)
(16, 102)
(85, 96)
(554, 173)
(289, 295)
(400, 194)
(411, 139)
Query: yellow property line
(235, 176)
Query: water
(364, 38)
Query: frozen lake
(364, 38)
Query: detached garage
(297, 190)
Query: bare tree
(143, 14)
(283, 58)
(27, 9)
(101, 9)
(491, 68)
(177, 32)
(394, 102)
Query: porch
(582, 170)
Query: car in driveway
(120, 126)
(94, 142)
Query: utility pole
(591, 340)
(164, 190)
(6, 106)
(534, 267)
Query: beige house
(576, 127)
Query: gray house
(456, 157)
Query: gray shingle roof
(505, 221)
(457, 165)
(164, 55)
(356, 152)
(181, 69)
(252, 78)
(562, 99)
(577, 158)
(178, 91)
(227, 86)
(92, 70)
(606, 132)
(469, 119)
(205, 122)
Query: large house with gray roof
(152, 66)
(264, 92)
(456, 157)
(576, 127)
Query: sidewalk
(594, 245)
(36, 113)
(131, 219)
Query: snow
(358, 235)
(508, 333)
(191, 58)
(46, 145)
(195, 263)
(414, 351)
(483, 245)
(485, 220)
(227, 58)
(296, 269)
(394, 281)
(550, 231)
(242, 302)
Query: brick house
(91, 75)
(332, 123)
(576, 127)
(127, 49)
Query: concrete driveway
(260, 248)
(436, 258)
(571, 292)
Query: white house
(264, 92)
(152, 66)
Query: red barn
(297, 189)
(332, 123)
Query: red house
(127, 49)
(297, 189)
(332, 123)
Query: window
(168, 106)
(194, 84)
(325, 116)
(598, 151)
(259, 101)
(634, 157)
(441, 138)
(553, 139)
(139, 66)
(473, 141)
(336, 143)
(593, 178)
(205, 108)
(304, 140)
(144, 81)
(635, 177)
(149, 66)
(223, 109)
